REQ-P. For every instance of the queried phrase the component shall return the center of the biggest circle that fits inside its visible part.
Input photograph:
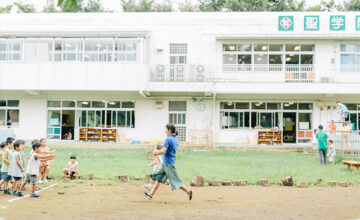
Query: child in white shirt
(332, 152)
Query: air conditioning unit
(326, 79)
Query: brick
(332, 183)
(214, 183)
(226, 183)
(264, 182)
(124, 178)
(301, 184)
(198, 181)
(240, 182)
(343, 184)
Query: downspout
(144, 72)
(214, 116)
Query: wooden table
(353, 163)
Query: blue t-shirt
(171, 144)
(343, 109)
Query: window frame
(6, 110)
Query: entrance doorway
(67, 124)
(289, 127)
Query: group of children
(13, 165)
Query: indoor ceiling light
(264, 48)
(292, 55)
(259, 59)
(229, 103)
(85, 103)
(111, 103)
(231, 58)
(288, 58)
(232, 48)
(296, 48)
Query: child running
(17, 166)
(168, 170)
(6, 158)
(332, 152)
(71, 169)
(2, 149)
(32, 170)
(157, 163)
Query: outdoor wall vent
(159, 105)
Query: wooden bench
(350, 163)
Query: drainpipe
(214, 116)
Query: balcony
(292, 73)
(179, 73)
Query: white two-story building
(218, 76)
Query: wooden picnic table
(353, 163)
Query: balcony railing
(267, 68)
(350, 68)
(178, 73)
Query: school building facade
(219, 77)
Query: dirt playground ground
(106, 200)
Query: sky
(115, 4)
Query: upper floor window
(9, 113)
(178, 53)
(10, 49)
(69, 49)
(265, 57)
(350, 57)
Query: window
(125, 50)
(267, 57)
(10, 49)
(236, 115)
(98, 50)
(9, 113)
(349, 58)
(177, 116)
(178, 53)
(38, 49)
(72, 49)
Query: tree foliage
(146, 6)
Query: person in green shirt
(323, 142)
(6, 163)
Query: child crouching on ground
(71, 169)
(32, 170)
(17, 166)
(332, 152)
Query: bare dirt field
(113, 200)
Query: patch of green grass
(217, 165)
(61, 192)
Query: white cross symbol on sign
(286, 23)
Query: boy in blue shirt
(343, 110)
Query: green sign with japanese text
(311, 23)
(337, 23)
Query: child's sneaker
(148, 186)
(34, 195)
(14, 193)
(40, 181)
(45, 180)
(6, 191)
(18, 193)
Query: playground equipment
(346, 139)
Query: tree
(146, 6)
(352, 5)
(330, 6)
(65, 5)
(211, 5)
(94, 6)
(187, 6)
(6, 9)
(24, 8)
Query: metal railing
(178, 73)
(350, 68)
(267, 67)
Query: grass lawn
(221, 165)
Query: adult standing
(168, 170)
(343, 111)
(323, 142)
